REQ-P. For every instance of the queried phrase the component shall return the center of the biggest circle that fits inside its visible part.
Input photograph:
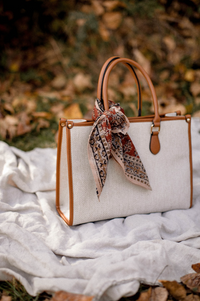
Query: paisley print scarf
(109, 138)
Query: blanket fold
(107, 259)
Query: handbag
(112, 166)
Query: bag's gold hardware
(69, 125)
(62, 124)
(156, 127)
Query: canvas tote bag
(155, 177)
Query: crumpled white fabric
(107, 259)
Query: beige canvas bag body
(164, 146)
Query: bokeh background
(52, 52)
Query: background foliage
(52, 52)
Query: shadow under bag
(112, 166)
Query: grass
(16, 291)
(45, 138)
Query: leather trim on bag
(135, 119)
(154, 143)
(150, 118)
(68, 142)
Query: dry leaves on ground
(65, 296)
(57, 75)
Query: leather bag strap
(128, 62)
(102, 76)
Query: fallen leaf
(3, 129)
(128, 90)
(114, 79)
(59, 81)
(145, 296)
(8, 107)
(6, 298)
(5, 96)
(23, 128)
(129, 84)
(88, 114)
(31, 106)
(159, 294)
(69, 90)
(111, 5)
(192, 297)
(73, 111)
(192, 43)
(195, 88)
(175, 289)
(56, 109)
(189, 75)
(104, 33)
(87, 9)
(112, 94)
(97, 7)
(80, 22)
(42, 123)
(196, 267)
(133, 107)
(185, 23)
(11, 120)
(164, 75)
(82, 81)
(160, 91)
(175, 57)
(171, 108)
(192, 281)
(196, 114)
(170, 43)
(14, 67)
(65, 296)
(142, 60)
(23, 117)
(12, 131)
(119, 51)
(128, 23)
(48, 94)
(197, 73)
(112, 20)
(46, 115)
(18, 101)
(197, 100)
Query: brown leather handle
(156, 120)
(102, 76)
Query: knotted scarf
(109, 138)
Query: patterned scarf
(109, 138)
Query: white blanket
(106, 259)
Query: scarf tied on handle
(109, 138)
